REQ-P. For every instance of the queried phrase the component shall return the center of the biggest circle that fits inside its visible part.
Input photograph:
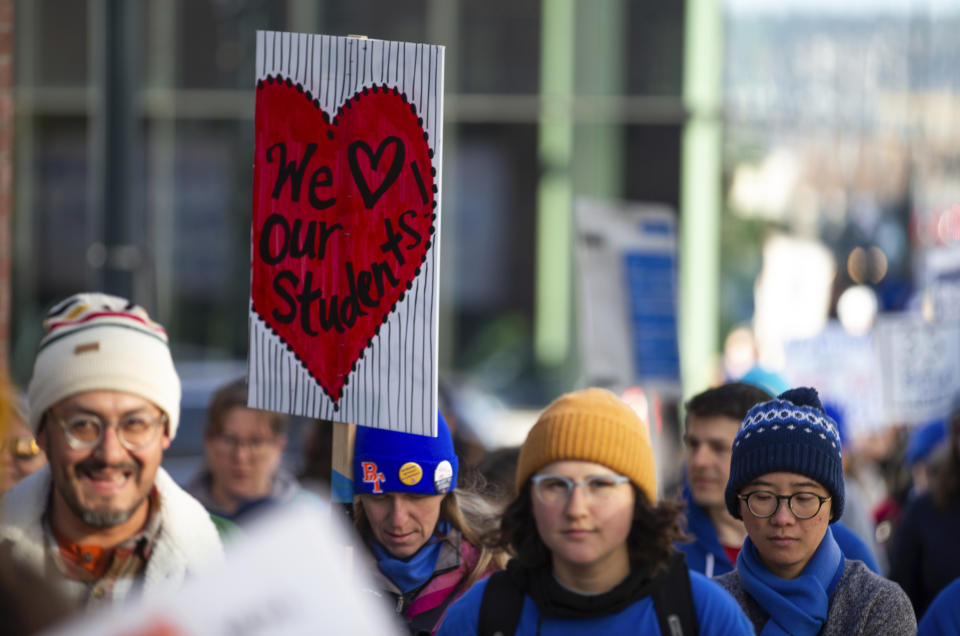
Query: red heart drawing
(343, 216)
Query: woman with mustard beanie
(593, 548)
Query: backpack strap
(673, 600)
(501, 606)
(425, 623)
(502, 603)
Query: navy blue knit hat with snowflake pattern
(793, 434)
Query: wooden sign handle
(341, 477)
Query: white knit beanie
(97, 342)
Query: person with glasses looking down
(786, 484)
(428, 540)
(103, 520)
(243, 474)
(594, 548)
(712, 422)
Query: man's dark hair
(733, 399)
(650, 543)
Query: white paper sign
(843, 369)
(289, 575)
(920, 363)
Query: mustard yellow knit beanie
(592, 425)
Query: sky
(842, 7)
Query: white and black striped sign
(343, 311)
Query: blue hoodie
(706, 555)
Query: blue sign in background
(652, 293)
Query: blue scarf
(798, 606)
(409, 574)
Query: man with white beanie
(103, 520)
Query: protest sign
(792, 294)
(270, 585)
(941, 281)
(626, 257)
(920, 365)
(843, 369)
(343, 312)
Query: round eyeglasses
(85, 431)
(803, 505)
(557, 489)
(257, 446)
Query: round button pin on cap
(411, 473)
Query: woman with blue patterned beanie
(428, 537)
(786, 484)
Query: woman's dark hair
(947, 483)
(650, 542)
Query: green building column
(555, 190)
(700, 194)
(597, 28)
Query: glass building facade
(134, 151)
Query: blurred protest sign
(289, 574)
(626, 256)
(343, 298)
(792, 295)
(920, 363)
(941, 281)
(843, 369)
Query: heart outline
(370, 198)
(429, 200)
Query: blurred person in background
(886, 450)
(857, 508)
(496, 472)
(942, 617)
(594, 547)
(243, 475)
(462, 406)
(765, 379)
(786, 484)
(925, 556)
(429, 539)
(103, 519)
(713, 419)
(925, 454)
(28, 603)
(315, 472)
(20, 455)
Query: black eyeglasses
(803, 505)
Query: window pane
(62, 22)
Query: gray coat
(862, 603)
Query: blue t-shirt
(717, 613)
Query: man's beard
(99, 518)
